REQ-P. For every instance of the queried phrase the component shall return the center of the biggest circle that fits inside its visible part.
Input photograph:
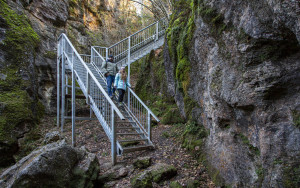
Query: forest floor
(167, 150)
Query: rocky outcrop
(54, 165)
(233, 66)
(142, 162)
(28, 40)
(157, 173)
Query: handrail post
(73, 103)
(63, 90)
(113, 138)
(88, 88)
(157, 30)
(149, 126)
(128, 61)
(58, 84)
(106, 54)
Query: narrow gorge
(225, 85)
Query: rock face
(54, 165)
(241, 70)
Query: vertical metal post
(88, 88)
(156, 30)
(149, 126)
(106, 54)
(73, 103)
(63, 89)
(128, 77)
(113, 141)
(58, 85)
(67, 83)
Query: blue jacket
(121, 84)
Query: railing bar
(85, 66)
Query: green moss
(172, 116)
(131, 143)
(19, 107)
(151, 87)
(163, 173)
(21, 38)
(291, 174)
(296, 118)
(50, 54)
(142, 163)
(260, 172)
(193, 184)
(143, 180)
(175, 184)
(253, 150)
(193, 136)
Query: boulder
(142, 162)
(52, 137)
(157, 173)
(162, 172)
(142, 180)
(115, 173)
(54, 165)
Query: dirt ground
(167, 150)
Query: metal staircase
(129, 124)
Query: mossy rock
(18, 96)
(162, 172)
(175, 184)
(142, 180)
(172, 117)
(193, 184)
(142, 162)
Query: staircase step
(121, 122)
(142, 139)
(128, 128)
(130, 133)
(137, 148)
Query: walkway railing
(103, 107)
(134, 42)
(134, 105)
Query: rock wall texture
(54, 165)
(28, 40)
(234, 67)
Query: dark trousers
(121, 95)
(110, 89)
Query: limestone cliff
(233, 67)
(29, 30)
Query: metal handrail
(144, 105)
(94, 79)
(140, 38)
(128, 105)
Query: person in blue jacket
(121, 83)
